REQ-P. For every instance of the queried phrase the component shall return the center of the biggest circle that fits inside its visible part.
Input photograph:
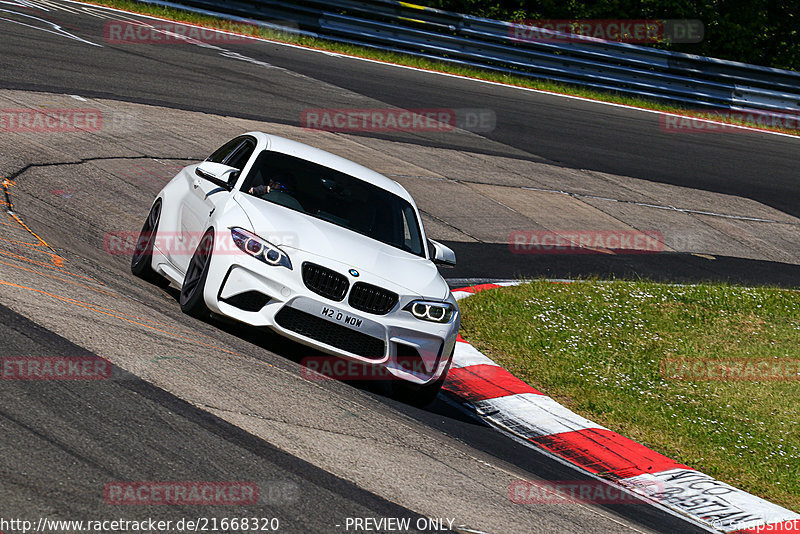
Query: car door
(203, 198)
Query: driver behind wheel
(280, 190)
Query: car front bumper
(261, 295)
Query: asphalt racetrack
(192, 400)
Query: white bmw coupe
(278, 234)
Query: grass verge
(422, 63)
(600, 348)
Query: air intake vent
(332, 334)
(372, 299)
(409, 360)
(251, 301)
(324, 281)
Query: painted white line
(61, 7)
(23, 3)
(55, 28)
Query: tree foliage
(762, 32)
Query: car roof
(276, 143)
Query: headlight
(437, 312)
(259, 248)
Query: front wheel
(194, 282)
(416, 395)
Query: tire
(142, 260)
(416, 395)
(194, 282)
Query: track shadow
(309, 360)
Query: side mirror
(218, 174)
(441, 254)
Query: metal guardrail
(489, 44)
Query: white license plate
(341, 317)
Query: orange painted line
(48, 265)
(18, 242)
(98, 291)
(5, 185)
(100, 309)
(60, 260)
(38, 248)
(20, 267)
(172, 326)
(54, 256)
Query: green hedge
(762, 32)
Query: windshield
(335, 197)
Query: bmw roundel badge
(353, 272)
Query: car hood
(290, 229)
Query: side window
(224, 151)
(239, 157)
(411, 235)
